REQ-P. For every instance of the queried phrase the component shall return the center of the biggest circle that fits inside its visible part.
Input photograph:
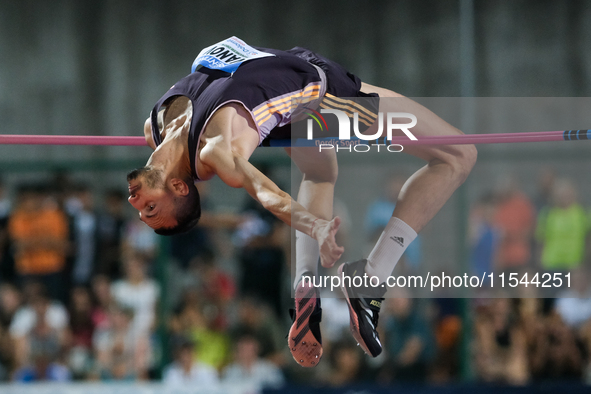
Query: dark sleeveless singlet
(266, 87)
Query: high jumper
(210, 122)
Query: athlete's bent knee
(464, 161)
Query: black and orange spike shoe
(304, 339)
(364, 307)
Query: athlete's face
(149, 195)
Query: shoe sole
(303, 345)
(353, 321)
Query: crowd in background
(80, 297)
(546, 334)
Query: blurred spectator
(515, 218)
(379, 213)
(585, 338)
(6, 260)
(216, 288)
(531, 317)
(186, 246)
(110, 227)
(211, 230)
(256, 319)
(562, 357)
(101, 290)
(262, 264)
(211, 345)
(346, 363)
(44, 344)
(137, 292)
(81, 331)
(121, 352)
(562, 229)
(187, 372)
(574, 304)
(39, 312)
(187, 314)
(249, 370)
(407, 339)
(500, 343)
(6, 355)
(574, 308)
(139, 239)
(39, 232)
(62, 186)
(263, 241)
(546, 180)
(44, 355)
(10, 301)
(84, 228)
(483, 236)
(447, 330)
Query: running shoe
(364, 307)
(304, 339)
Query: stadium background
(97, 67)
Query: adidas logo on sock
(398, 240)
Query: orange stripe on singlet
(284, 104)
(346, 110)
(349, 106)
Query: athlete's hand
(324, 232)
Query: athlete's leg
(319, 170)
(316, 193)
(421, 197)
(425, 192)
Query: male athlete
(210, 122)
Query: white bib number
(227, 55)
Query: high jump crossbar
(496, 138)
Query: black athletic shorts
(341, 86)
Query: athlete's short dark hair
(187, 212)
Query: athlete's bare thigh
(428, 124)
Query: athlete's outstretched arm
(236, 171)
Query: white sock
(307, 255)
(392, 243)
